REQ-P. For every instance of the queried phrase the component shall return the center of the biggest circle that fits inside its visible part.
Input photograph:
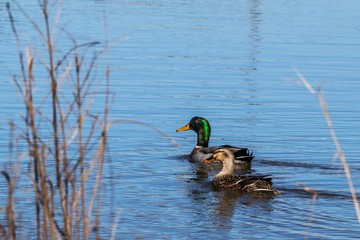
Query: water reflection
(254, 38)
(219, 207)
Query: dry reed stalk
(54, 97)
(38, 153)
(3, 234)
(59, 123)
(114, 225)
(98, 181)
(44, 195)
(52, 203)
(11, 145)
(80, 120)
(10, 208)
(170, 139)
(99, 177)
(73, 151)
(104, 134)
(339, 153)
(311, 214)
(24, 92)
(33, 138)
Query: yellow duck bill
(184, 128)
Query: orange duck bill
(184, 128)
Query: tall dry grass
(65, 137)
(339, 153)
(67, 166)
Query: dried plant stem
(339, 152)
(34, 147)
(66, 141)
(70, 175)
(170, 139)
(54, 94)
(115, 224)
(10, 207)
(80, 119)
(311, 214)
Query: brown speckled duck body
(225, 180)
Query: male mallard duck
(225, 180)
(202, 150)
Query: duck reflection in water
(220, 199)
(220, 207)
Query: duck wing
(241, 155)
(244, 183)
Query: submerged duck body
(202, 150)
(225, 180)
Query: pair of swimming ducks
(228, 156)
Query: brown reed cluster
(65, 139)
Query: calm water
(233, 63)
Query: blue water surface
(235, 63)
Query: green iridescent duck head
(202, 127)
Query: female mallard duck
(225, 180)
(202, 150)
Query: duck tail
(243, 154)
